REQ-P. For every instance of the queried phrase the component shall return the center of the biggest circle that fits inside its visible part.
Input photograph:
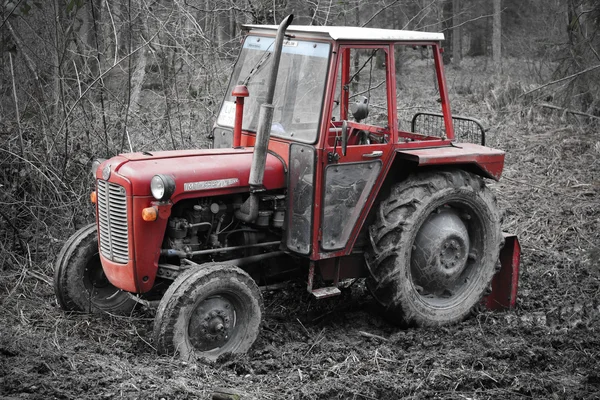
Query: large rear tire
(434, 249)
(79, 282)
(207, 312)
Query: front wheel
(434, 247)
(79, 281)
(207, 312)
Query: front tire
(79, 281)
(434, 247)
(207, 312)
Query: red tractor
(312, 172)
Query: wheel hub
(97, 277)
(440, 252)
(211, 323)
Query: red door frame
(341, 53)
(354, 153)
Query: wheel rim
(214, 327)
(444, 256)
(96, 282)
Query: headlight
(106, 172)
(162, 187)
(95, 164)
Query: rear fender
(484, 161)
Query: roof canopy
(354, 33)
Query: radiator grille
(112, 222)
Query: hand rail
(462, 126)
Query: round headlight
(106, 172)
(162, 187)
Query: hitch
(506, 281)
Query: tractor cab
(349, 106)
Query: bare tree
(456, 33)
(497, 35)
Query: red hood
(195, 171)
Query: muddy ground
(342, 348)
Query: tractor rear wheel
(207, 312)
(79, 281)
(435, 245)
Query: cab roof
(352, 33)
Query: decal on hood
(218, 183)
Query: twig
(470, 20)
(372, 336)
(553, 107)
(320, 337)
(141, 338)
(585, 71)
(303, 327)
(541, 188)
(378, 12)
(11, 13)
(40, 277)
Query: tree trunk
(138, 72)
(497, 36)
(456, 34)
(447, 18)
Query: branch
(471, 20)
(417, 14)
(553, 107)
(102, 76)
(585, 71)
(380, 11)
(10, 13)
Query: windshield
(298, 93)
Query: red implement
(506, 281)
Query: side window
(361, 94)
(417, 91)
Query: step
(325, 292)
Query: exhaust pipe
(249, 210)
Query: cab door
(347, 183)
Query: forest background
(81, 79)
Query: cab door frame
(357, 157)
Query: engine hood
(213, 171)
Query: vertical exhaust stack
(249, 210)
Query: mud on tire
(209, 311)
(434, 247)
(80, 283)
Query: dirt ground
(342, 348)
